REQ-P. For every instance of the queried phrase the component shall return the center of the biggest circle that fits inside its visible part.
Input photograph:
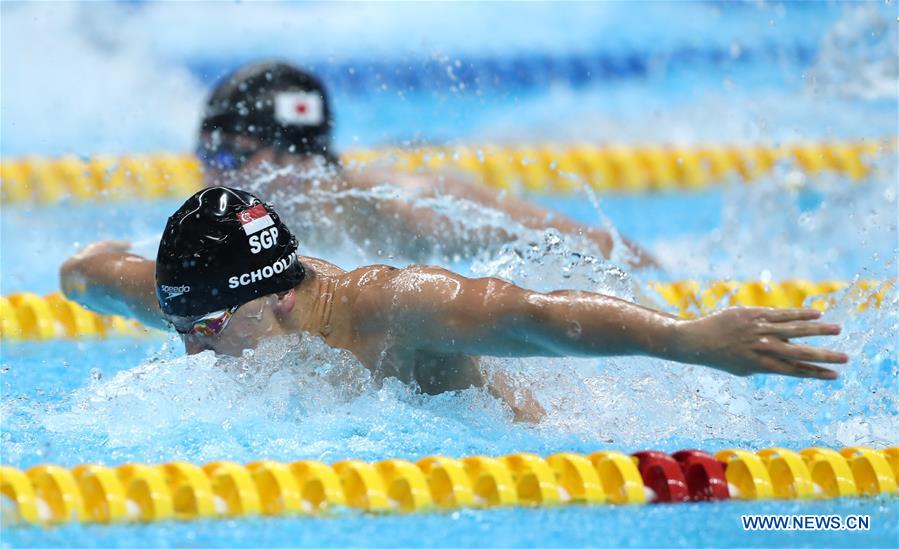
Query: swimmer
(267, 128)
(227, 275)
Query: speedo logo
(174, 291)
(261, 274)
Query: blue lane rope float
(526, 70)
(133, 492)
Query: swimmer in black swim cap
(268, 107)
(221, 250)
(268, 126)
(228, 276)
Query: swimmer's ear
(286, 302)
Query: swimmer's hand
(102, 247)
(756, 340)
(72, 279)
(106, 279)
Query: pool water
(122, 399)
(686, 525)
(127, 400)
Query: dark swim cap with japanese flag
(275, 103)
(221, 249)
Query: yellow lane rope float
(49, 494)
(690, 298)
(539, 168)
(30, 316)
(34, 317)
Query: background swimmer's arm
(528, 214)
(445, 312)
(537, 217)
(106, 279)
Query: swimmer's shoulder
(372, 299)
(369, 277)
(372, 274)
(359, 300)
(377, 285)
(320, 267)
(361, 277)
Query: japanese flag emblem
(299, 108)
(255, 219)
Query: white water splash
(789, 225)
(353, 226)
(858, 56)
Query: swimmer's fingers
(798, 328)
(793, 351)
(804, 369)
(789, 315)
(795, 368)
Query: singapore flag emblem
(255, 219)
(299, 108)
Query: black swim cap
(223, 248)
(276, 103)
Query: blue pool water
(689, 525)
(141, 400)
(123, 400)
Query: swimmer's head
(265, 112)
(225, 270)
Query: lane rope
(133, 492)
(526, 71)
(691, 298)
(28, 316)
(550, 169)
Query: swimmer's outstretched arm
(435, 310)
(537, 217)
(533, 216)
(107, 279)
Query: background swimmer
(267, 127)
(424, 325)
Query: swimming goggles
(209, 325)
(225, 156)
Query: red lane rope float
(663, 475)
(704, 475)
(49, 494)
